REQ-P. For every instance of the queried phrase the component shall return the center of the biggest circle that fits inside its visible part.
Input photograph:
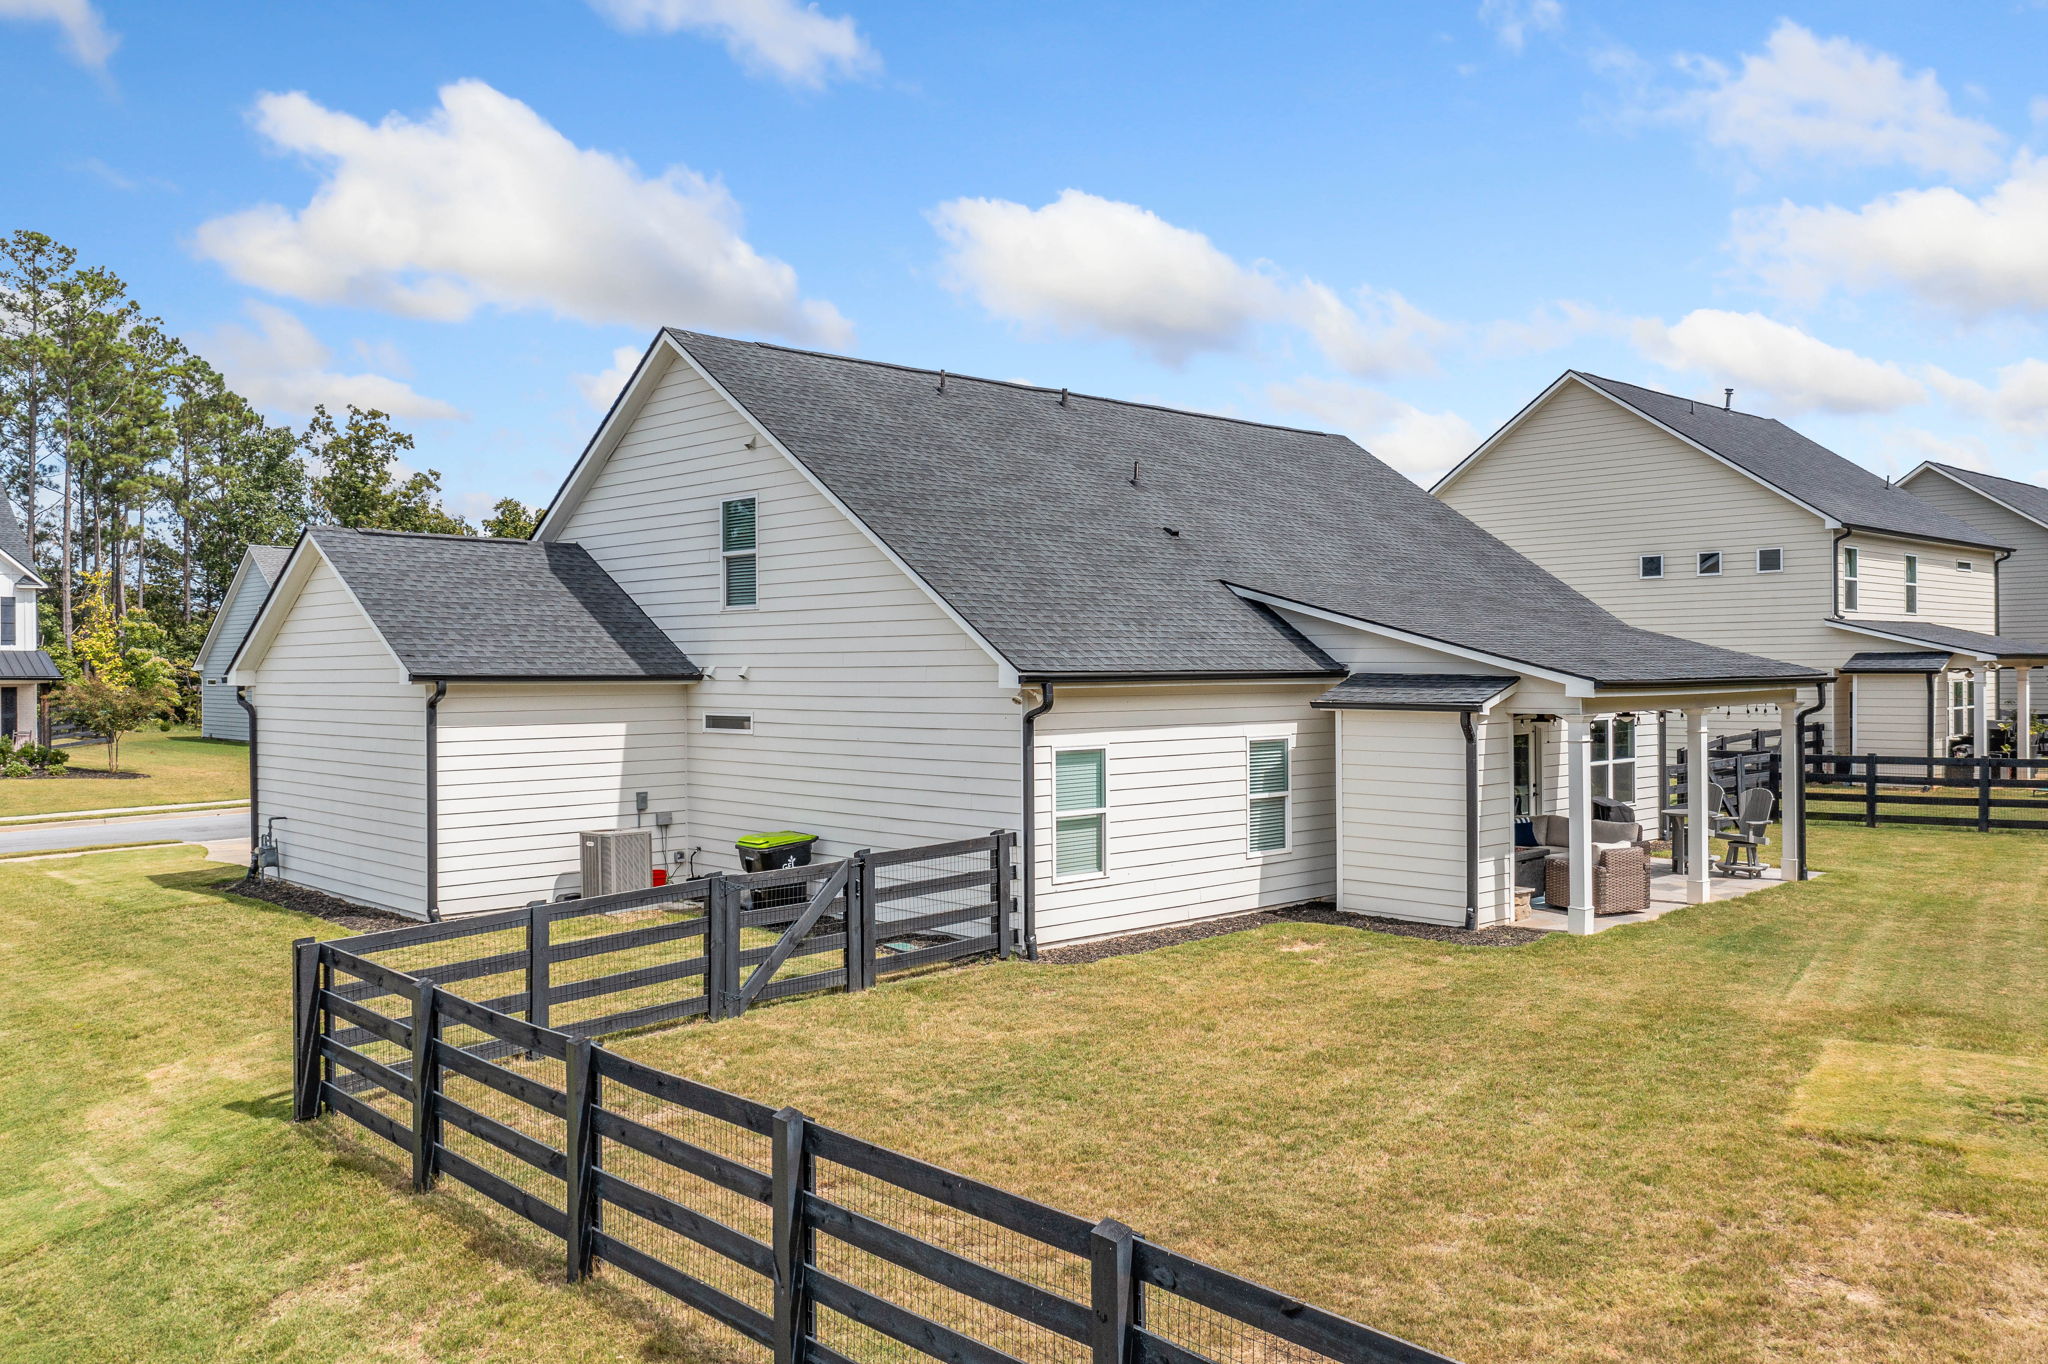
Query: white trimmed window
(1962, 704)
(8, 636)
(1849, 584)
(1614, 758)
(1965, 566)
(1650, 566)
(1710, 563)
(737, 538)
(1080, 793)
(729, 724)
(1770, 561)
(1912, 584)
(1269, 816)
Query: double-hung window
(1962, 704)
(1272, 787)
(1080, 791)
(1912, 584)
(737, 537)
(1849, 567)
(1614, 758)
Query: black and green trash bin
(773, 852)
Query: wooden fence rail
(1864, 788)
(807, 1241)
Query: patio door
(1528, 775)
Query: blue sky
(1400, 221)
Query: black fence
(1872, 788)
(800, 1239)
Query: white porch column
(1578, 761)
(1699, 769)
(2023, 697)
(1987, 697)
(1792, 783)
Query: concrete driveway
(225, 832)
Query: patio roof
(1914, 661)
(1413, 691)
(1987, 648)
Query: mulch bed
(89, 774)
(1132, 943)
(359, 918)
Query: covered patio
(1935, 684)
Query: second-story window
(7, 627)
(1650, 566)
(1849, 585)
(737, 538)
(1770, 561)
(1710, 563)
(1912, 584)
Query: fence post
(306, 1099)
(857, 948)
(426, 1086)
(999, 863)
(1870, 790)
(581, 1150)
(1113, 1289)
(721, 947)
(790, 1185)
(537, 922)
(869, 932)
(1984, 794)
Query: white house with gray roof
(1206, 665)
(220, 714)
(1730, 528)
(25, 670)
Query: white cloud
(1085, 265)
(781, 37)
(85, 32)
(1831, 99)
(1908, 446)
(1748, 351)
(2017, 401)
(1420, 444)
(483, 203)
(1973, 256)
(1512, 21)
(280, 366)
(600, 389)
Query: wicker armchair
(1621, 881)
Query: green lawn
(182, 769)
(1811, 1124)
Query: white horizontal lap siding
(2022, 579)
(877, 720)
(1179, 790)
(1567, 488)
(1891, 714)
(343, 754)
(220, 716)
(526, 769)
(1949, 595)
(1401, 850)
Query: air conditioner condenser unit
(617, 860)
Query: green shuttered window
(1271, 792)
(736, 543)
(1081, 799)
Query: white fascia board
(1573, 685)
(284, 595)
(1928, 466)
(16, 569)
(1925, 646)
(1006, 672)
(1925, 541)
(1573, 376)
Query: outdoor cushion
(1525, 834)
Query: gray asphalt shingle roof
(1413, 691)
(459, 607)
(1802, 468)
(13, 543)
(1908, 661)
(1022, 512)
(2028, 499)
(269, 560)
(1952, 639)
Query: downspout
(1997, 605)
(1471, 820)
(255, 820)
(1930, 727)
(1030, 840)
(434, 802)
(1835, 562)
(1799, 773)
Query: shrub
(15, 768)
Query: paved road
(204, 827)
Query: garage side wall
(525, 769)
(1402, 836)
(343, 754)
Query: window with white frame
(1269, 815)
(1965, 566)
(1528, 780)
(729, 724)
(1614, 758)
(1962, 704)
(8, 636)
(1650, 566)
(737, 538)
(1770, 561)
(1912, 584)
(1080, 787)
(1850, 565)
(1709, 563)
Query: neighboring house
(1734, 529)
(1206, 665)
(24, 668)
(220, 715)
(2016, 513)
